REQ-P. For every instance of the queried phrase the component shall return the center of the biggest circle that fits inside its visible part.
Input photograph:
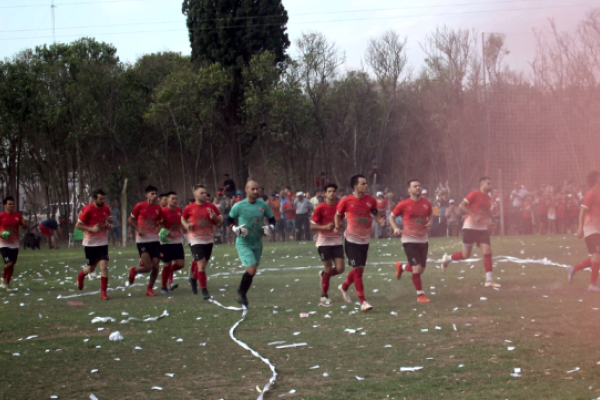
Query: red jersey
(325, 214)
(414, 216)
(10, 222)
(479, 204)
(382, 205)
(201, 231)
(91, 216)
(591, 221)
(172, 222)
(147, 218)
(358, 214)
(289, 210)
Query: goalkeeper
(250, 214)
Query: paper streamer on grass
(246, 347)
(122, 288)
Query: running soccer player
(10, 221)
(94, 222)
(171, 243)
(589, 227)
(163, 200)
(198, 219)
(477, 206)
(145, 219)
(329, 243)
(416, 216)
(357, 208)
(250, 214)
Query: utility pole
(53, 9)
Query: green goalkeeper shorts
(249, 255)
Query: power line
(306, 22)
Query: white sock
(488, 276)
(420, 292)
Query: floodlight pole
(53, 9)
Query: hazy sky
(137, 27)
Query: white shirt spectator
(303, 206)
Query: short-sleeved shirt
(231, 188)
(358, 214)
(275, 205)
(382, 205)
(50, 224)
(116, 216)
(201, 231)
(147, 218)
(289, 210)
(91, 216)
(591, 221)
(479, 204)
(414, 216)
(325, 214)
(303, 207)
(172, 222)
(251, 215)
(10, 222)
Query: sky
(138, 27)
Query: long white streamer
(246, 347)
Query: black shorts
(474, 236)
(356, 254)
(152, 248)
(592, 242)
(93, 254)
(9, 255)
(330, 253)
(200, 251)
(171, 252)
(416, 253)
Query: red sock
(103, 283)
(325, 283)
(358, 284)
(194, 268)
(333, 272)
(487, 262)
(416, 278)
(594, 277)
(457, 256)
(408, 268)
(4, 273)
(201, 276)
(166, 272)
(174, 267)
(9, 273)
(583, 265)
(349, 280)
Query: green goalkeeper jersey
(251, 215)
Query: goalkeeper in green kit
(250, 214)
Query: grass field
(552, 326)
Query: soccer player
(198, 219)
(416, 216)
(589, 227)
(10, 221)
(329, 243)
(357, 208)
(477, 206)
(146, 219)
(163, 200)
(250, 230)
(171, 243)
(94, 222)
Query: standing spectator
(275, 205)
(303, 209)
(48, 228)
(115, 234)
(289, 211)
(573, 208)
(453, 218)
(228, 186)
(516, 198)
(374, 174)
(526, 215)
(561, 213)
(262, 195)
(551, 210)
(542, 210)
(239, 197)
(383, 207)
(315, 199)
(495, 216)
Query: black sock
(246, 282)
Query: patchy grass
(552, 326)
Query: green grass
(551, 335)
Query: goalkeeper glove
(5, 234)
(240, 231)
(268, 230)
(163, 235)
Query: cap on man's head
(239, 192)
(451, 201)
(219, 192)
(424, 191)
(379, 194)
(300, 194)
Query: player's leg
(571, 271)
(165, 273)
(193, 271)
(204, 257)
(486, 249)
(325, 274)
(155, 254)
(595, 269)
(250, 260)
(358, 261)
(351, 255)
(469, 240)
(91, 259)
(176, 265)
(10, 259)
(103, 263)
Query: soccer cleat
(242, 299)
(194, 284)
(570, 273)
(398, 270)
(321, 273)
(132, 274)
(324, 301)
(492, 284)
(445, 262)
(205, 294)
(80, 279)
(173, 286)
(422, 299)
(593, 288)
(2, 283)
(150, 293)
(104, 296)
(345, 295)
(164, 290)
(365, 306)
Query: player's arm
(582, 212)
(23, 222)
(464, 207)
(394, 225)
(214, 217)
(380, 218)
(133, 223)
(314, 223)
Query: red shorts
(46, 231)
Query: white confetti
(169, 375)
(359, 378)
(410, 369)
(94, 371)
(156, 388)
(483, 298)
(510, 348)
(314, 367)
(115, 336)
(573, 370)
